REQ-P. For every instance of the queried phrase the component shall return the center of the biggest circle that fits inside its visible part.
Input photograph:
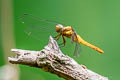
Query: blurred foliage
(1, 51)
(97, 21)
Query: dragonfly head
(59, 27)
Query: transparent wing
(77, 50)
(74, 35)
(77, 45)
(37, 27)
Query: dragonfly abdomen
(80, 40)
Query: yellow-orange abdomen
(80, 40)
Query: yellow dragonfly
(69, 32)
(37, 25)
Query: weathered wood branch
(52, 60)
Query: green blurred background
(97, 21)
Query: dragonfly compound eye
(59, 27)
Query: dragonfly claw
(55, 38)
(61, 45)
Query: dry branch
(52, 60)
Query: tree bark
(52, 60)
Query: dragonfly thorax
(59, 27)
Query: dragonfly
(69, 32)
(37, 25)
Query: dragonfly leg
(63, 43)
(57, 37)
